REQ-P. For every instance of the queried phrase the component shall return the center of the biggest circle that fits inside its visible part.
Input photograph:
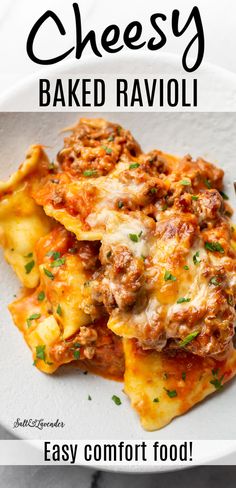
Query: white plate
(27, 393)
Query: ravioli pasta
(128, 266)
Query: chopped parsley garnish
(54, 254)
(183, 375)
(168, 276)
(120, 204)
(185, 182)
(224, 196)
(189, 338)
(59, 310)
(214, 281)
(207, 183)
(107, 149)
(89, 398)
(156, 400)
(143, 257)
(134, 237)
(217, 382)
(34, 316)
(108, 254)
(119, 130)
(29, 266)
(134, 166)
(58, 262)
(196, 258)
(214, 247)
(171, 393)
(76, 350)
(183, 300)
(76, 354)
(90, 172)
(116, 400)
(30, 255)
(153, 191)
(230, 300)
(86, 284)
(41, 296)
(51, 166)
(165, 207)
(40, 352)
(194, 197)
(48, 273)
(110, 139)
(186, 267)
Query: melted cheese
(85, 201)
(161, 387)
(163, 260)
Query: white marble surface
(15, 21)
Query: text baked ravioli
(128, 267)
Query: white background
(16, 19)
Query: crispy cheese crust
(110, 243)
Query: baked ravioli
(128, 266)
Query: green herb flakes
(116, 400)
(58, 262)
(90, 172)
(168, 276)
(189, 338)
(134, 237)
(183, 300)
(214, 247)
(48, 273)
(107, 149)
(185, 182)
(34, 316)
(29, 266)
(30, 255)
(54, 254)
(171, 393)
(196, 258)
(134, 166)
(86, 284)
(76, 354)
(41, 296)
(214, 281)
(224, 196)
(40, 352)
(59, 310)
(216, 381)
(207, 183)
